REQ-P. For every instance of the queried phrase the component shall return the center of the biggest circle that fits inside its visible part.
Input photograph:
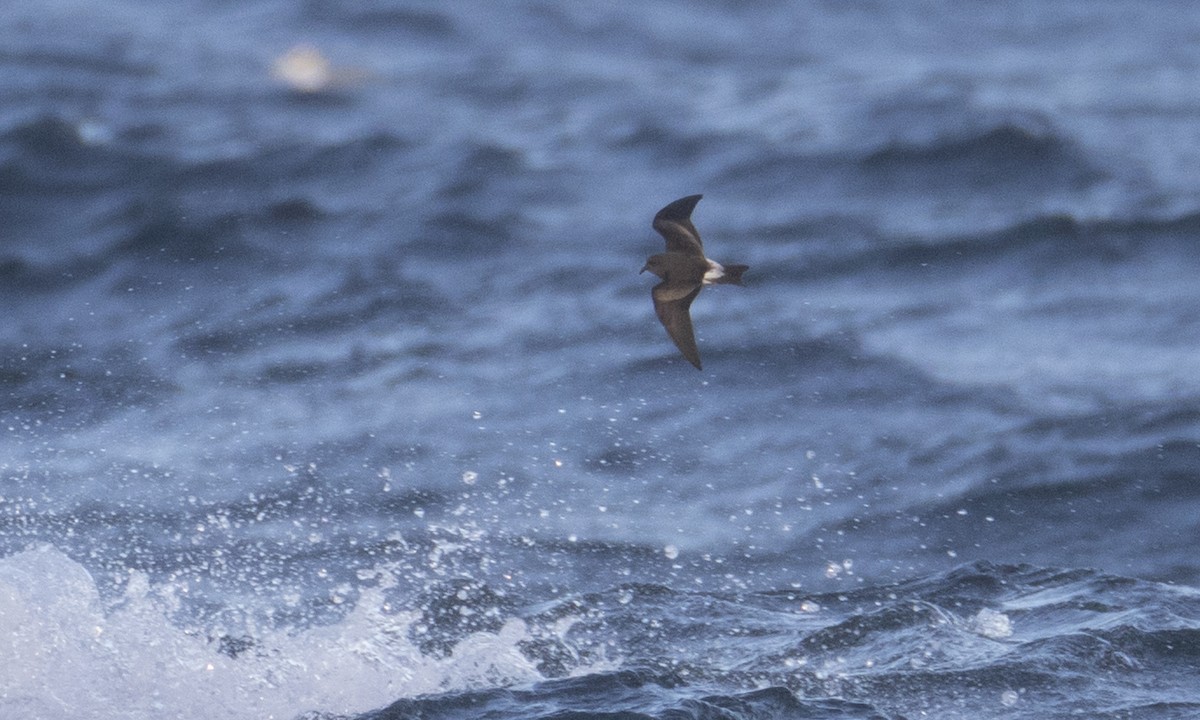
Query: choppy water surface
(329, 387)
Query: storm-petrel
(684, 270)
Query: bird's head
(656, 264)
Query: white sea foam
(992, 624)
(67, 656)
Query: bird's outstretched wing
(671, 304)
(674, 222)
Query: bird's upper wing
(671, 304)
(674, 222)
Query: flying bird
(684, 270)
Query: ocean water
(329, 387)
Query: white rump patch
(715, 272)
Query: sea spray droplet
(671, 552)
(834, 569)
(470, 476)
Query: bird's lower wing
(671, 304)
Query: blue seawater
(329, 387)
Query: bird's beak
(644, 268)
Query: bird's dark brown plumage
(684, 271)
